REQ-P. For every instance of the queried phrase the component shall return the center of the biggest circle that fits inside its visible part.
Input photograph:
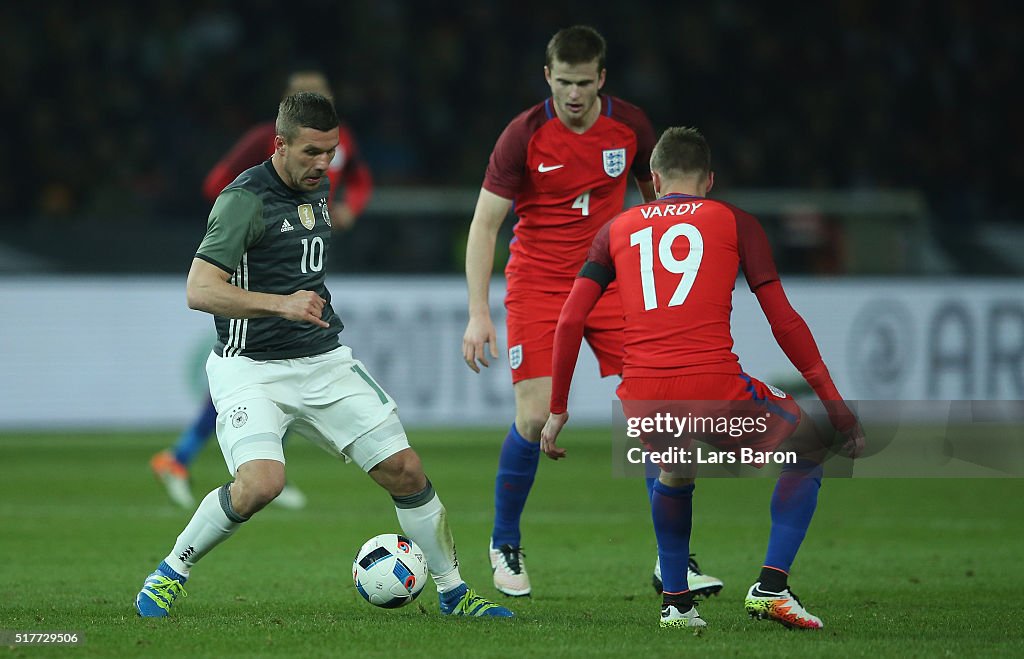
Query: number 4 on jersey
(582, 202)
(644, 239)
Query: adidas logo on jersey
(286, 226)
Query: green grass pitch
(895, 567)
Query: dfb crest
(614, 161)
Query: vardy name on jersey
(671, 209)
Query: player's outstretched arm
(795, 339)
(568, 335)
(251, 149)
(789, 329)
(207, 289)
(483, 234)
(356, 183)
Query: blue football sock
(792, 507)
(672, 512)
(169, 572)
(195, 437)
(517, 468)
(650, 481)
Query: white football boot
(782, 607)
(509, 570)
(701, 585)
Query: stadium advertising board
(107, 352)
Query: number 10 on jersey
(644, 239)
(312, 254)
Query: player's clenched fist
(304, 307)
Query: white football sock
(209, 526)
(426, 524)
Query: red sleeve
(253, 148)
(795, 339)
(358, 186)
(568, 336)
(507, 165)
(355, 177)
(635, 118)
(755, 252)
(601, 249)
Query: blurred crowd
(119, 110)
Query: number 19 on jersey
(644, 240)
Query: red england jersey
(347, 170)
(565, 185)
(676, 261)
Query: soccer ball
(389, 570)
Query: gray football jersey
(272, 239)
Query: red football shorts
(728, 411)
(531, 319)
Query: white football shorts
(330, 399)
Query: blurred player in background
(278, 363)
(564, 164)
(351, 181)
(675, 261)
(351, 187)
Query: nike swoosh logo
(765, 593)
(542, 168)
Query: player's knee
(256, 496)
(533, 398)
(268, 491)
(808, 442)
(400, 474)
(256, 485)
(675, 480)
(529, 423)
